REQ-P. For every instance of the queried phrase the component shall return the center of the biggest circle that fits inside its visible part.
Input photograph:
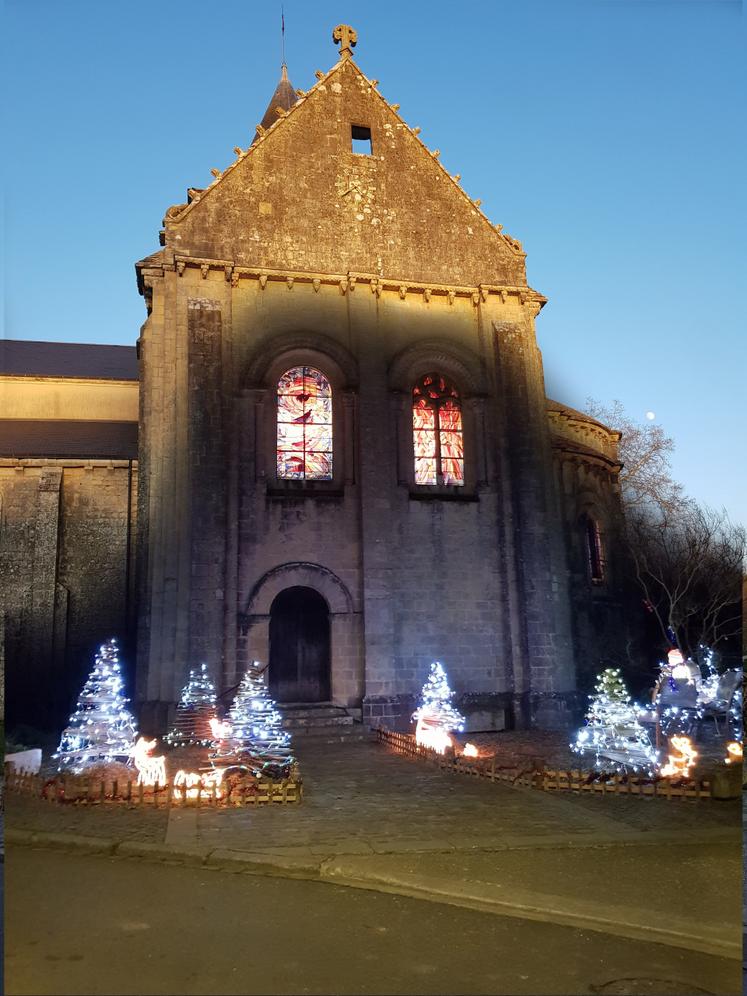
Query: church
(330, 450)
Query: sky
(607, 135)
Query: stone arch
(298, 347)
(441, 355)
(299, 574)
(346, 632)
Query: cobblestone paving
(112, 821)
(362, 798)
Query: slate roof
(284, 96)
(22, 358)
(60, 439)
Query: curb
(546, 908)
(333, 871)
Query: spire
(284, 96)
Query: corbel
(427, 294)
(351, 283)
(316, 283)
(204, 269)
(375, 286)
(403, 291)
(476, 298)
(228, 270)
(343, 286)
(263, 280)
(289, 281)
(234, 277)
(484, 293)
(180, 265)
(504, 295)
(452, 295)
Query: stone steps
(322, 722)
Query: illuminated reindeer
(150, 770)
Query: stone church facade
(347, 464)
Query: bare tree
(688, 560)
(645, 451)
(689, 565)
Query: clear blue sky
(607, 135)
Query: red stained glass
(304, 425)
(439, 455)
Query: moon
(650, 416)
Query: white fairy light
(194, 712)
(254, 734)
(101, 729)
(613, 733)
(436, 715)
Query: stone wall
(67, 569)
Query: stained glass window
(304, 441)
(437, 432)
(594, 549)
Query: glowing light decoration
(733, 752)
(436, 714)
(150, 770)
(437, 432)
(613, 733)
(220, 729)
(304, 426)
(101, 729)
(194, 784)
(254, 734)
(681, 760)
(194, 712)
(470, 751)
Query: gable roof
(282, 202)
(22, 358)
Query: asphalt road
(93, 925)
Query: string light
(436, 714)
(253, 735)
(613, 733)
(684, 757)
(150, 770)
(101, 729)
(195, 711)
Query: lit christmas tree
(612, 732)
(253, 734)
(101, 729)
(195, 711)
(436, 714)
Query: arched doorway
(299, 646)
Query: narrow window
(594, 550)
(437, 432)
(304, 438)
(361, 138)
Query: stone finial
(347, 37)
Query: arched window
(594, 549)
(304, 436)
(437, 431)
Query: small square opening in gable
(361, 139)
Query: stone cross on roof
(347, 37)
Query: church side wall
(67, 568)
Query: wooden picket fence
(547, 779)
(79, 790)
